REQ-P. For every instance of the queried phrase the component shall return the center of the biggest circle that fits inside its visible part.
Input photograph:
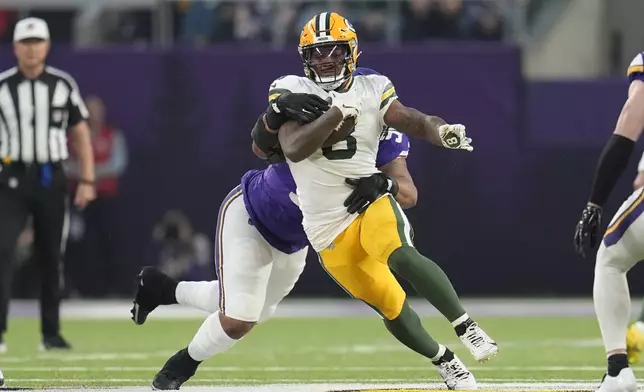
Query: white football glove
(349, 103)
(453, 136)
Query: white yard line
(304, 369)
(330, 387)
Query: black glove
(301, 107)
(588, 227)
(367, 190)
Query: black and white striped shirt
(35, 115)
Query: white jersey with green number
(320, 179)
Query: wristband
(264, 139)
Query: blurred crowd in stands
(198, 22)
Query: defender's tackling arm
(407, 195)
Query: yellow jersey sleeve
(387, 95)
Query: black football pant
(25, 192)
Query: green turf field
(302, 351)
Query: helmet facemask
(328, 64)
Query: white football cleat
(479, 343)
(3, 347)
(624, 382)
(456, 375)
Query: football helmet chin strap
(330, 83)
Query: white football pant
(253, 276)
(622, 247)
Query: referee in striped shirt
(38, 104)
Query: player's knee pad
(235, 329)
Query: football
(346, 128)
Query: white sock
(441, 352)
(460, 320)
(612, 304)
(210, 339)
(200, 295)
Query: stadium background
(538, 83)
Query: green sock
(428, 279)
(409, 331)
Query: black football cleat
(176, 371)
(154, 288)
(54, 342)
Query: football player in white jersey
(623, 243)
(635, 333)
(349, 215)
(260, 251)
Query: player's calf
(429, 280)
(408, 329)
(154, 288)
(211, 339)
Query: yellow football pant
(357, 260)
